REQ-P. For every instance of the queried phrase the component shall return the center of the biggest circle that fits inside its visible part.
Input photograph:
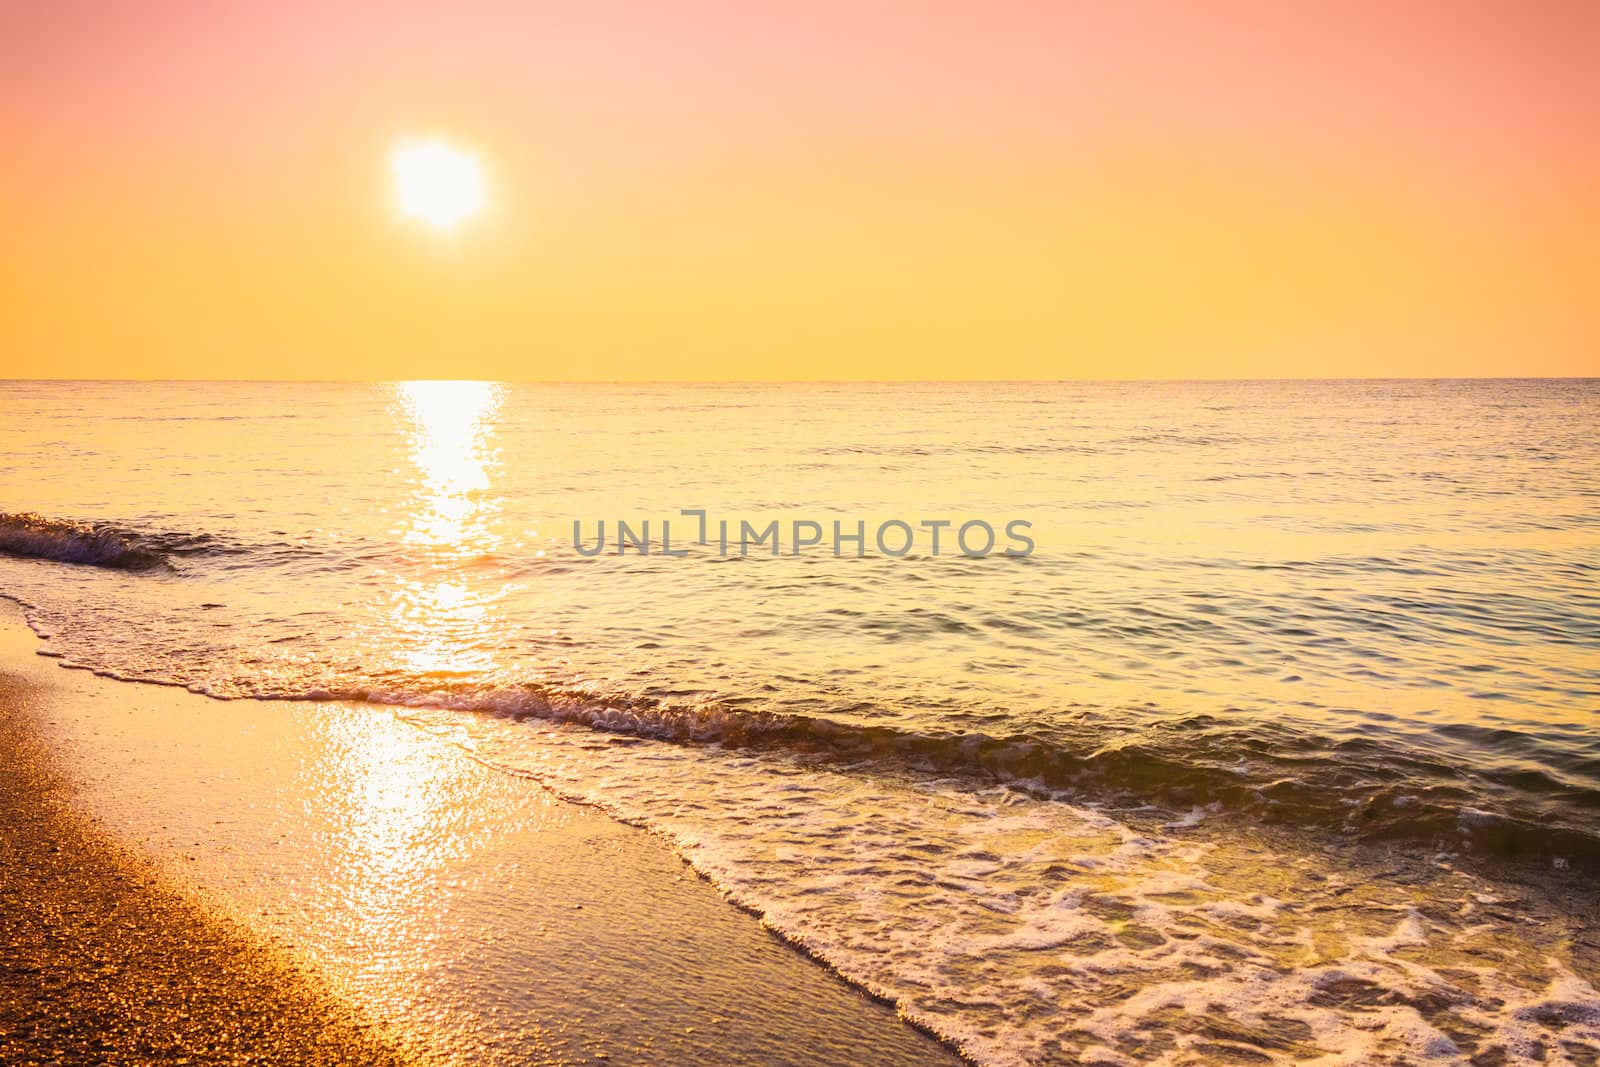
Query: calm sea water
(1270, 632)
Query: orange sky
(716, 190)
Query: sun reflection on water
(443, 620)
(388, 800)
(454, 453)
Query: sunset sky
(709, 190)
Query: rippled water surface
(1360, 615)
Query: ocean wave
(116, 546)
(64, 541)
(1275, 774)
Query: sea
(1086, 722)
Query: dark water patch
(33, 536)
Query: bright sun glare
(436, 181)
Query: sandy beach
(106, 962)
(169, 895)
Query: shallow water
(473, 916)
(1018, 795)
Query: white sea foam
(1031, 931)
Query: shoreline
(368, 893)
(485, 912)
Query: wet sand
(296, 882)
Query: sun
(435, 181)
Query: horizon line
(816, 381)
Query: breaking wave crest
(1383, 793)
(64, 541)
(104, 544)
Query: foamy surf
(1033, 931)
